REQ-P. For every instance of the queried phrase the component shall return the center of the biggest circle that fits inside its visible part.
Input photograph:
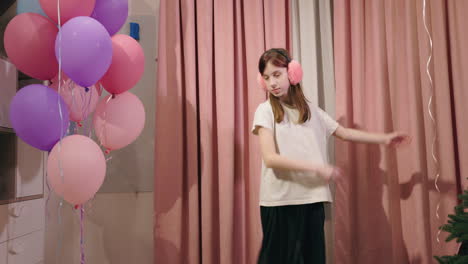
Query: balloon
(119, 121)
(25, 6)
(111, 13)
(29, 43)
(35, 116)
(127, 67)
(68, 9)
(85, 49)
(83, 169)
(79, 101)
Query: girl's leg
(283, 233)
(314, 241)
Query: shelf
(6, 130)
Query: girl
(293, 138)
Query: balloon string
(431, 115)
(62, 176)
(82, 234)
(103, 133)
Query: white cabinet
(23, 218)
(22, 172)
(8, 86)
(30, 170)
(22, 207)
(25, 249)
(22, 232)
(3, 253)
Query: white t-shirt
(307, 141)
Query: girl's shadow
(369, 217)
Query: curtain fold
(312, 42)
(207, 163)
(386, 204)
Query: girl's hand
(329, 172)
(397, 139)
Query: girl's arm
(275, 161)
(390, 139)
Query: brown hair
(281, 58)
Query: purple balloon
(111, 13)
(35, 116)
(85, 50)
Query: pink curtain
(386, 204)
(207, 164)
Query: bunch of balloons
(79, 37)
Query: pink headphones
(294, 71)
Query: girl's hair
(281, 58)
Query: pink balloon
(80, 102)
(68, 9)
(127, 67)
(83, 166)
(119, 121)
(30, 45)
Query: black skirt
(293, 234)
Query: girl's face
(276, 80)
